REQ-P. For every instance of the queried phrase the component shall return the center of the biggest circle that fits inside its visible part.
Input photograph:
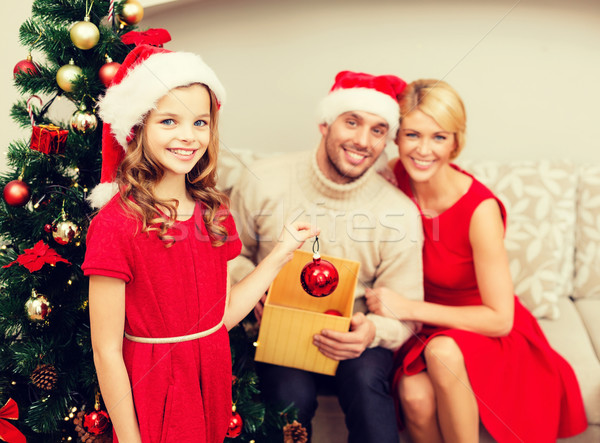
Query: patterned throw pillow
(587, 237)
(540, 202)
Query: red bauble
(319, 278)
(48, 227)
(107, 71)
(96, 422)
(333, 312)
(26, 67)
(16, 193)
(235, 425)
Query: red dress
(526, 392)
(181, 391)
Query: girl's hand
(385, 302)
(291, 238)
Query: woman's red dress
(526, 392)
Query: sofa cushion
(540, 202)
(587, 235)
(589, 311)
(569, 337)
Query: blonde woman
(481, 355)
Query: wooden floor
(328, 424)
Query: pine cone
(294, 433)
(104, 438)
(44, 377)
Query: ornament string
(22, 173)
(315, 246)
(88, 10)
(90, 98)
(97, 401)
(36, 40)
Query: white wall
(528, 71)
(12, 53)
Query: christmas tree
(46, 365)
(48, 386)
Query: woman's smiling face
(424, 146)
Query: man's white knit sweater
(367, 220)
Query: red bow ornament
(33, 259)
(8, 433)
(155, 37)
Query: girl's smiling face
(424, 146)
(177, 131)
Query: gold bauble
(37, 307)
(85, 34)
(66, 75)
(64, 232)
(132, 12)
(83, 121)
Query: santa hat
(357, 91)
(146, 75)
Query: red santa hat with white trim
(146, 75)
(357, 91)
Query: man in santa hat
(362, 218)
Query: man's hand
(346, 345)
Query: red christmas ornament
(16, 193)
(96, 422)
(108, 71)
(319, 278)
(333, 312)
(48, 227)
(235, 425)
(26, 67)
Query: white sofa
(553, 241)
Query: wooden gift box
(291, 317)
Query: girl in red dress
(480, 355)
(157, 255)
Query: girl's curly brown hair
(139, 173)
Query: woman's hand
(385, 302)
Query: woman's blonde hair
(441, 102)
(140, 172)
